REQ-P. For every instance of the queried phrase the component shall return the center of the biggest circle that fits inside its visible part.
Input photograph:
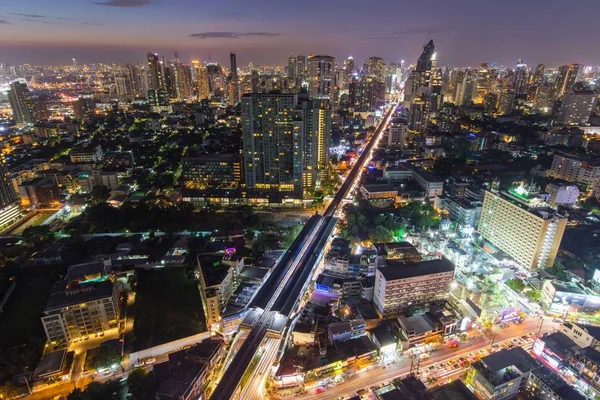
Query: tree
(99, 194)
(515, 284)
(36, 236)
(139, 384)
(77, 394)
(103, 391)
(9, 390)
(105, 357)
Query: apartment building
(572, 168)
(401, 284)
(80, 309)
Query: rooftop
(72, 294)
(398, 270)
(557, 384)
(379, 188)
(428, 176)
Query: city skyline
(122, 30)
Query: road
(378, 375)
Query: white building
(562, 194)
(577, 107)
(401, 284)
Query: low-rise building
(80, 309)
(583, 335)
(559, 195)
(54, 366)
(399, 284)
(346, 330)
(501, 375)
(561, 297)
(91, 155)
(382, 191)
(464, 210)
(543, 384)
(430, 183)
(39, 192)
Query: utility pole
(493, 339)
(540, 325)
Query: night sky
(466, 32)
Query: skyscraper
(21, 103)
(520, 80)
(321, 72)
(424, 63)
(7, 192)
(201, 80)
(156, 78)
(234, 83)
(286, 142)
(272, 143)
(567, 76)
(375, 68)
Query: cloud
(378, 38)
(29, 15)
(3, 21)
(38, 21)
(231, 35)
(125, 3)
(65, 19)
(422, 30)
(91, 23)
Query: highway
(440, 360)
(283, 290)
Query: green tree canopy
(105, 357)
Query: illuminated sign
(322, 288)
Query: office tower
(465, 86)
(201, 79)
(577, 106)
(375, 68)
(7, 191)
(489, 103)
(321, 71)
(24, 110)
(81, 307)
(302, 67)
(424, 63)
(529, 235)
(520, 78)
(138, 79)
(316, 131)
(272, 142)
(293, 67)
(349, 68)
(567, 76)
(156, 79)
(158, 97)
(399, 285)
(254, 81)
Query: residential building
(464, 210)
(399, 284)
(543, 384)
(346, 330)
(561, 297)
(23, 107)
(501, 375)
(577, 106)
(212, 171)
(86, 155)
(39, 192)
(397, 132)
(562, 195)
(420, 329)
(88, 180)
(531, 236)
(79, 309)
(572, 168)
(567, 76)
(321, 72)
(582, 335)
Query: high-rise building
(375, 68)
(204, 171)
(520, 78)
(7, 191)
(272, 142)
(577, 107)
(216, 80)
(156, 79)
(397, 132)
(234, 82)
(366, 94)
(201, 80)
(530, 235)
(292, 67)
(19, 97)
(506, 102)
(286, 141)
(178, 79)
(573, 168)
(321, 74)
(316, 131)
(400, 285)
(424, 63)
(567, 76)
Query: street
(378, 375)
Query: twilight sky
(466, 32)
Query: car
(456, 366)
(139, 364)
(320, 389)
(150, 360)
(431, 368)
(524, 337)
